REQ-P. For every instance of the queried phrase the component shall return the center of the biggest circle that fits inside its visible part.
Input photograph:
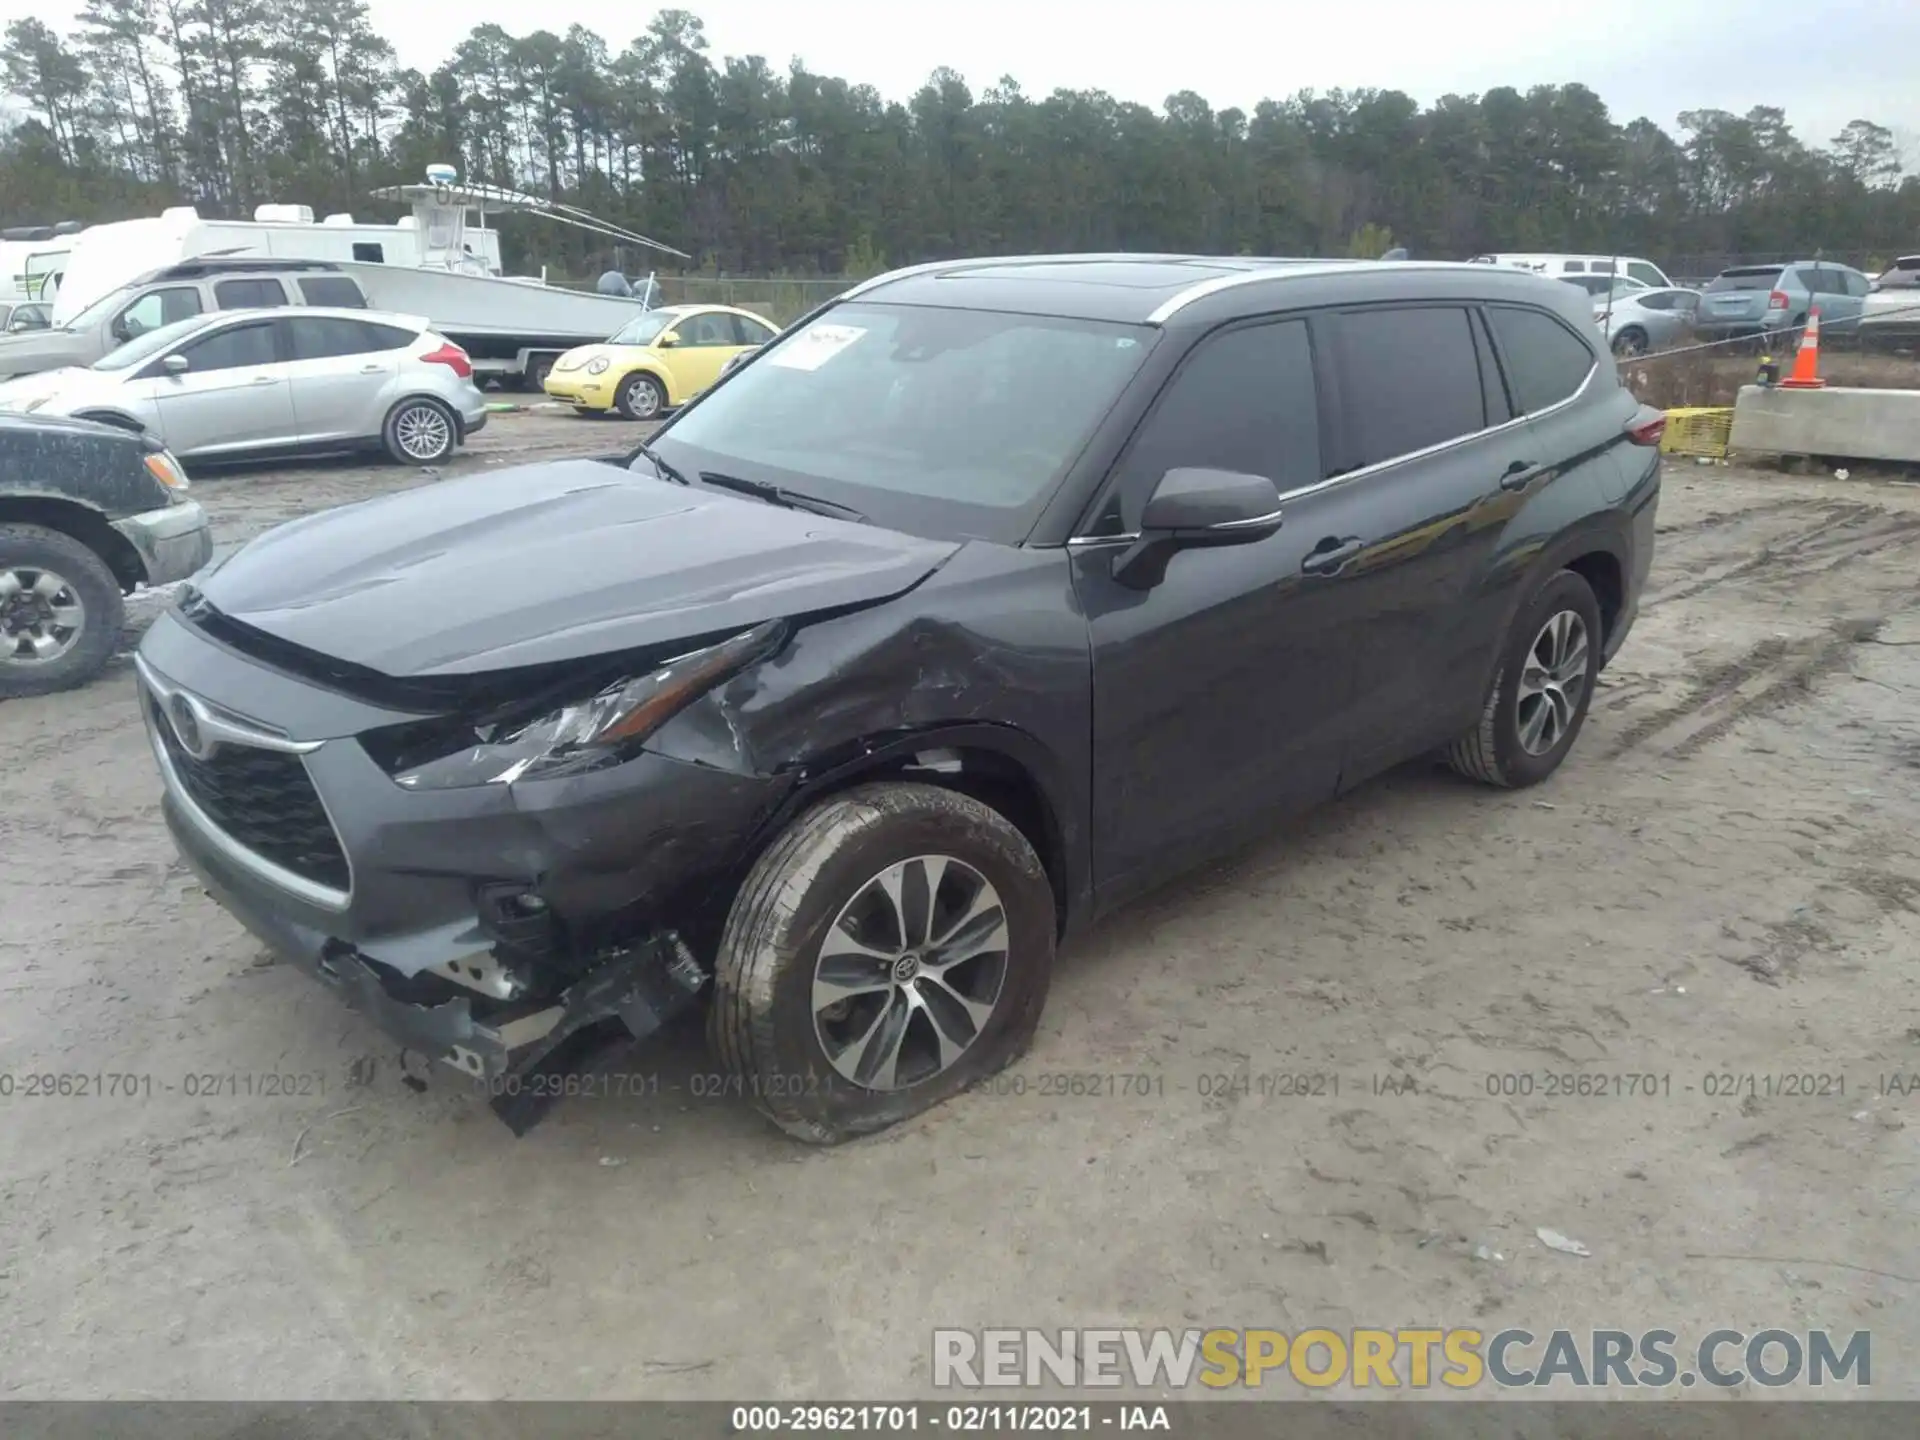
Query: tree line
(225, 104)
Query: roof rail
(981, 262)
(201, 265)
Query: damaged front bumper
(486, 927)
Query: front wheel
(1540, 697)
(60, 611)
(892, 947)
(641, 397)
(421, 432)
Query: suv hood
(550, 562)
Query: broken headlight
(586, 734)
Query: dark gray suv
(979, 601)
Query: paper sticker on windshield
(813, 349)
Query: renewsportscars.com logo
(1412, 1358)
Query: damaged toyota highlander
(979, 601)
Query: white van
(1557, 266)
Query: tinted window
(248, 294)
(1659, 300)
(160, 307)
(334, 290)
(1409, 380)
(232, 348)
(1603, 267)
(1244, 401)
(1499, 407)
(1545, 361)
(388, 337)
(371, 254)
(1574, 267)
(318, 338)
(1748, 277)
(1642, 271)
(750, 332)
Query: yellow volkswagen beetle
(657, 360)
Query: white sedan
(286, 381)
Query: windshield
(646, 329)
(938, 422)
(150, 343)
(99, 308)
(1754, 277)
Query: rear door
(341, 371)
(234, 395)
(1428, 443)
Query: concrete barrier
(1856, 424)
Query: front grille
(264, 800)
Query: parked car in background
(1647, 319)
(1761, 300)
(252, 382)
(844, 707)
(16, 319)
(1903, 274)
(88, 513)
(1561, 266)
(1605, 289)
(176, 292)
(658, 362)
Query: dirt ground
(1724, 881)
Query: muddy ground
(1723, 881)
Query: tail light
(453, 357)
(1647, 427)
(1777, 300)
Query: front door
(706, 342)
(234, 394)
(1220, 693)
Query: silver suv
(160, 297)
(1762, 299)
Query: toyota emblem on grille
(184, 711)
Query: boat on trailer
(442, 262)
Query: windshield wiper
(667, 472)
(780, 495)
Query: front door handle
(1520, 474)
(265, 380)
(1330, 555)
(371, 369)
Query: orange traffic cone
(1806, 360)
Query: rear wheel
(538, 368)
(892, 947)
(60, 611)
(420, 432)
(641, 397)
(1630, 342)
(1540, 697)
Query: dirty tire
(411, 422)
(538, 369)
(761, 1022)
(1630, 342)
(641, 397)
(1491, 752)
(35, 547)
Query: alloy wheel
(423, 432)
(1553, 678)
(910, 972)
(41, 616)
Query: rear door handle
(1325, 561)
(265, 380)
(1520, 474)
(371, 369)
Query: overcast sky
(1826, 63)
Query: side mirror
(668, 340)
(121, 330)
(176, 364)
(1194, 508)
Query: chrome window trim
(324, 897)
(1090, 541)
